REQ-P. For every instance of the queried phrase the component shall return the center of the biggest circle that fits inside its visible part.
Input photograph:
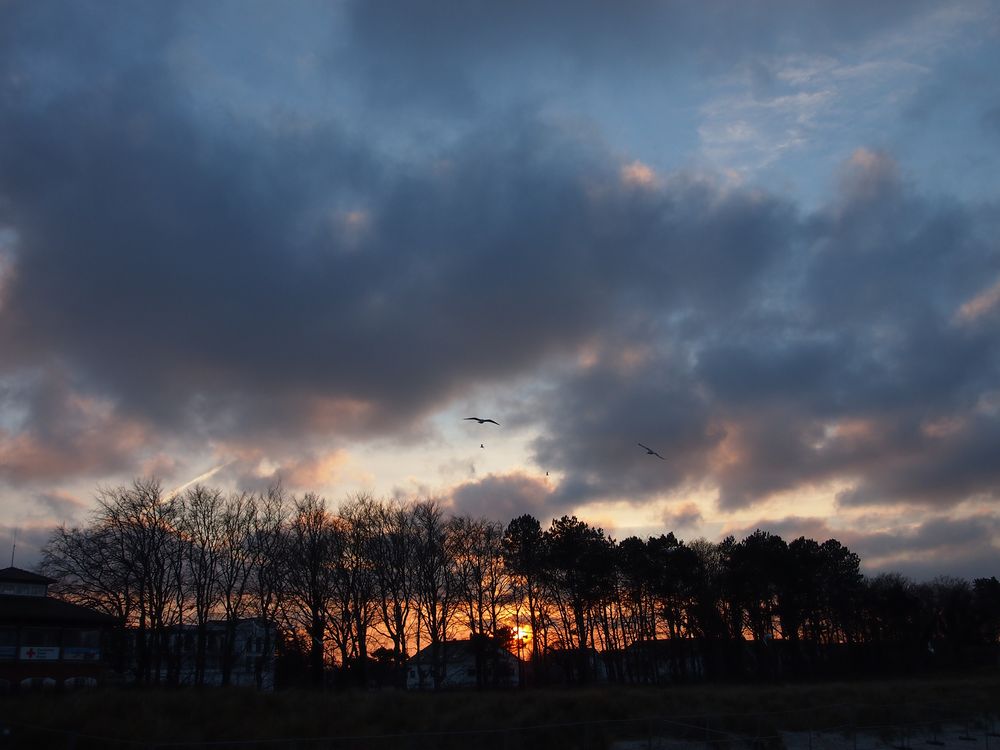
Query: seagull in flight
(481, 421)
(651, 452)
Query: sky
(249, 242)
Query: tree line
(367, 584)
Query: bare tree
(435, 581)
(391, 555)
(356, 586)
(482, 585)
(235, 570)
(140, 528)
(89, 572)
(267, 544)
(199, 525)
(309, 560)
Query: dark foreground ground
(716, 717)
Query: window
(81, 645)
(22, 589)
(8, 643)
(40, 637)
(78, 637)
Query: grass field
(552, 718)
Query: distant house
(463, 664)
(662, 661)
(253, 649)
(572, 666)
(46, 641)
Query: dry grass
(593, 715)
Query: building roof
(43, 610)
(17, 575)
(456, 651)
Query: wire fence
(839, 726)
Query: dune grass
(586, 717)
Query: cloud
(30, 539)
(65, 433)
(278, 271)
(982, 304)
(684, 515)
(59, 504)
(506, 496)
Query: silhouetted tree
(199, 524)
(579, 570)
(267, 549)
(309, 560)
(435, 581)
(392, 555)
(525, 556)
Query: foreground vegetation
(533, 718)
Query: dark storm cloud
(852, 354)
(682, 516)
(168, 261)
(506, 496)
(597, 417)
(63, 433)
(202, 274)
(242, 278)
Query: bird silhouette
(481, 421)
(651, 452)
(481, 445)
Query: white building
(459, 666)
(253, 648)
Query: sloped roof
(17, 575)
(44, 609)
(456, 651)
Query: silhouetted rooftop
(45, 609)
(17, 575)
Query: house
(470, 663)
(572, 666)
(662, 661)
(45, 641)
(253, 649)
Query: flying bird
(481, 421)
(651, 452)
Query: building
(463, 664)
(572, 666)
(661, 661)
(46, 641)
(253, 649)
